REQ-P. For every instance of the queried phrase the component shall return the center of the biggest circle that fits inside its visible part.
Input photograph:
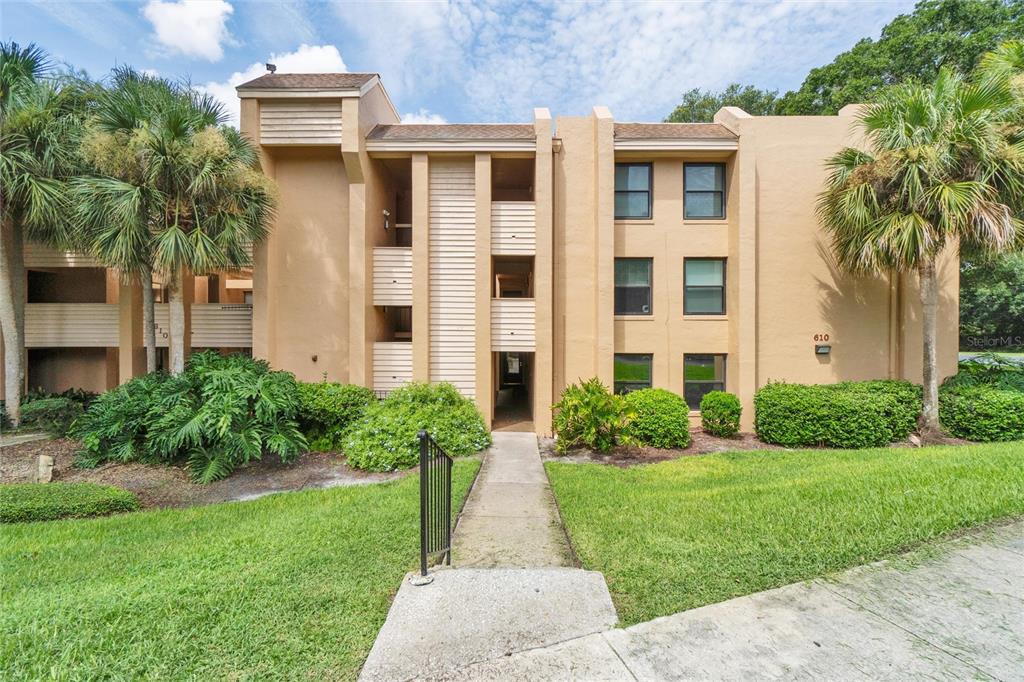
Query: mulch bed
(701, 443)
(170, 486)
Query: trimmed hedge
(659, 419)
(21, 502)
(982, 413)
(328, 410)
(53, 415)
(720, 414)
(846, 415)
(385, 439)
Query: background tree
(40, 118)
(700, 106)
(992, 304)
(175, 191)
(945, 169)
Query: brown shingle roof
(308, 81)
(672, 131)
(454, 131)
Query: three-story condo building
(514, 259)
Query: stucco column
(131, 345)
(188, 293)
(359, 358)
(741, 371)
(420, 268)
(543, 275)
(604, 228)
(484, 375)
(264, 300)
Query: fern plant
(589, 415)
(220, 413)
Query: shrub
(720, 414)
(386, 438)
(982, 413)
(589, 415)
(799, 415)
(328, 410)
(53, 415)
(988, 370)
(902, 413)
(659, 418)
(5, 420)
(78, 395)
(219, 413)
(21, 502)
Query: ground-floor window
(702, 374)
(632, 371)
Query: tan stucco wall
(58, 369)
(306, 292)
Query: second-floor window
(632, 190)
(704, 189)
(705, 286)
(633, 286)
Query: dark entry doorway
(513, 391)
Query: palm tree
(40, 118)
(944, 170)
(175, 191)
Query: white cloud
(423, 116)
(306, 59)
(194, 28)
(497, 60)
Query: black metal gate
(435, 501)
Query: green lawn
(700, 530)
(291, 586)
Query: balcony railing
(96, 325)
(39, 256)
(513, 228)
(392, 276)
(71, 325)
(513, 324)
(392, 365)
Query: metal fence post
(424, 493)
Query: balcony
(39, 256)
(71, 325)
(214, 325)
(513, 324)
(392, 365)
(513, 228)
(392, 276)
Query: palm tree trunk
(176, 301)
(12, 315)
(148, 319)
(929, 333)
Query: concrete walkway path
(510, 519)
(512, 588)
(958, 614)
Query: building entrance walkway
(512, 588)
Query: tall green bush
(589, 415)
(901, 413)
(658, 418)
(982, 413)
(53, 415)
(219, 413)
(720, 414)
(385, 439)
(328, 410)
(799, 415)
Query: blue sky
(457, 62)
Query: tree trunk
(176, 300)
(929, 316)
(148, 321)
(12, 316)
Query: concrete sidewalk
(512, 588)
(956, 615)
(510, 519)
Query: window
(705, 286)
(632, 372)
(704, 185)
(701, 375)
(633, 286)
(632, 190)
